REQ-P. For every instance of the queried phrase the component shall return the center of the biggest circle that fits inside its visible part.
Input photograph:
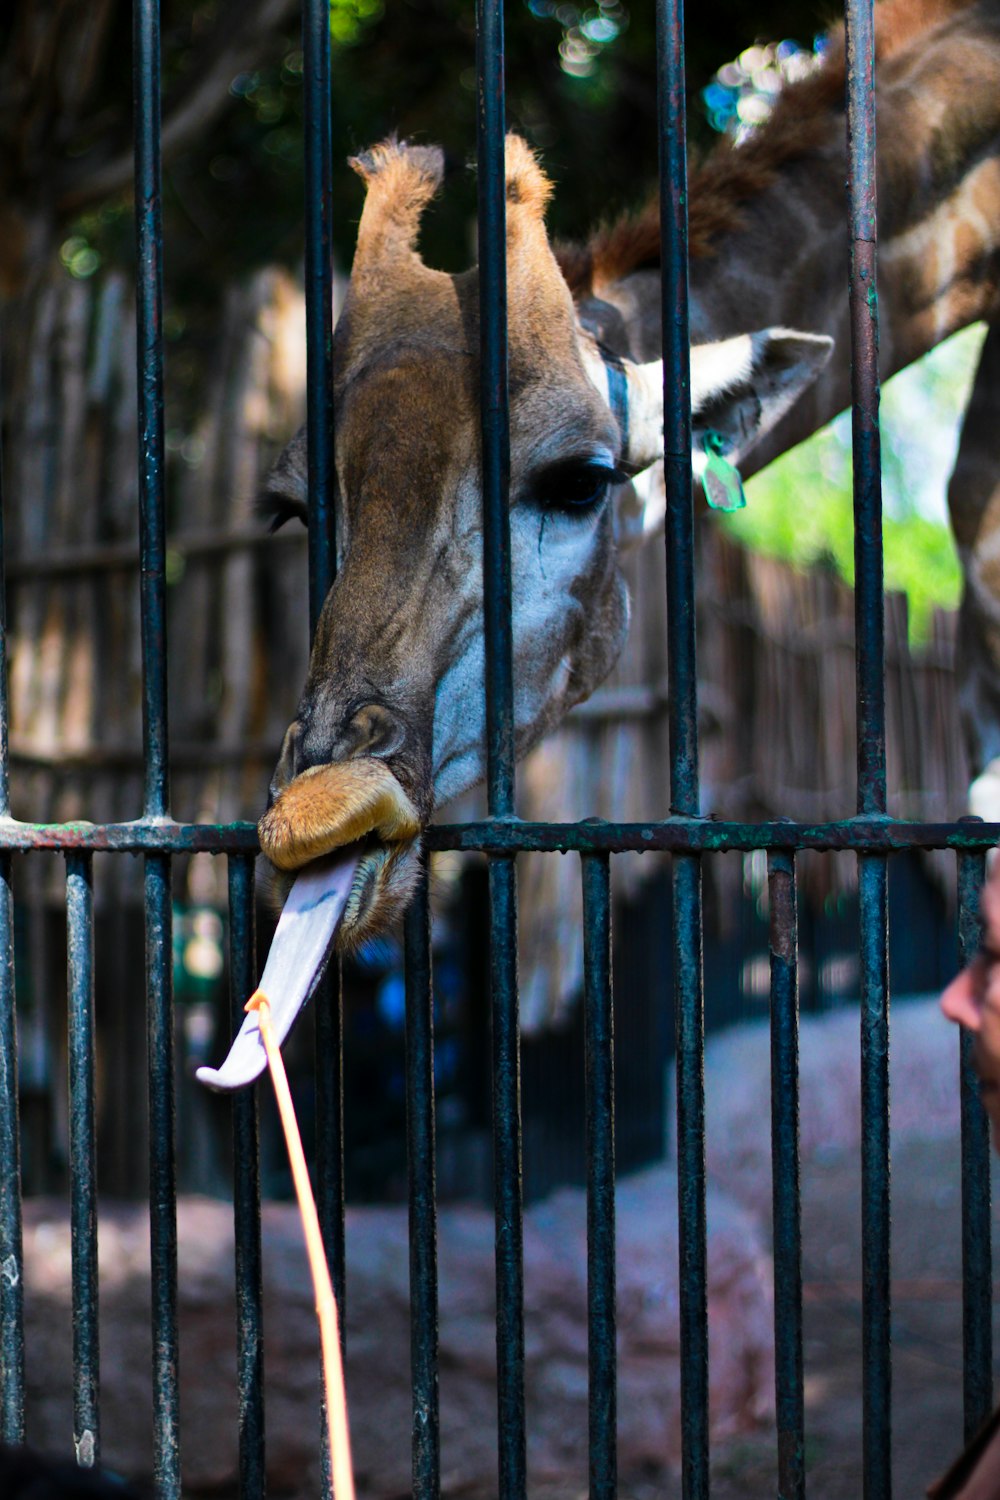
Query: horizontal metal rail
(676, 835)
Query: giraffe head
(391, 721)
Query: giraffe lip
(337, 805)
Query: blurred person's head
(973, 1001)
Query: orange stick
(326, 1303)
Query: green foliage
(800, 507)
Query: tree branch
(239, 47)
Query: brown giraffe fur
(396, 671)
(768, 244)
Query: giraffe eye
(576, 485)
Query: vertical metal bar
(494, 406)
(83, 1157)
(319, 302)
(329, 1171)
(977, 1272)
(11, 1247)
(246, 1195)
(149, 353)
(162, 1177)
(685, 796)
(11, 1243)
(328, 1001)
(159, 978)
(4, 711)
(789, 1412)
(692, 1231)
(426, 1445)
(677, 408)
(600, 1103)
(869, 626)
(875, 1222)
(494, 411)
(865, 393)
(322, 567)
(507, 1184)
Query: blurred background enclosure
(776, 643)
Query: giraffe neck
(769, 244)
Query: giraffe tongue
(299, 949)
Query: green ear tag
(720, 481)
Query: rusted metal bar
(786, 1197)
(322, 568)
(494, 406)
(869, 606)
(602, 1343)
(149, 354)
(421, 1158)
(704, 836)
(684, 788)
(977, 1259)
(246, 1195)
(495, 427)
(11, 1247)
(83, 1157)
(11, 1244)
(510, 836)
(162, 1176)
(319, 301)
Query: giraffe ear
(741, 387)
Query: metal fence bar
(507, 1181)
(4, 705)
(162, 1176)
(11, 1244)
(870, 669)
(977, 1268)
(671, 95)
(426, 1434)
(322, 567)
(328, 1001)
(684, 789)
(149, 354)
(875, 1219)
(11, 1238)
(246, 1195)
(495, 416)
(494, 406)
(865, 393)
(319, 302)
(83, 1156)
(787, 1207)
(674, 835)
(159, 956)
(600, 1105)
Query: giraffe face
(391, 722)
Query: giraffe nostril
(375, 730)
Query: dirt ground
(926, 1325)
(926, 1249)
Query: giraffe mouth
(358, 810)
(346, 838)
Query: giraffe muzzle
(357, 807)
